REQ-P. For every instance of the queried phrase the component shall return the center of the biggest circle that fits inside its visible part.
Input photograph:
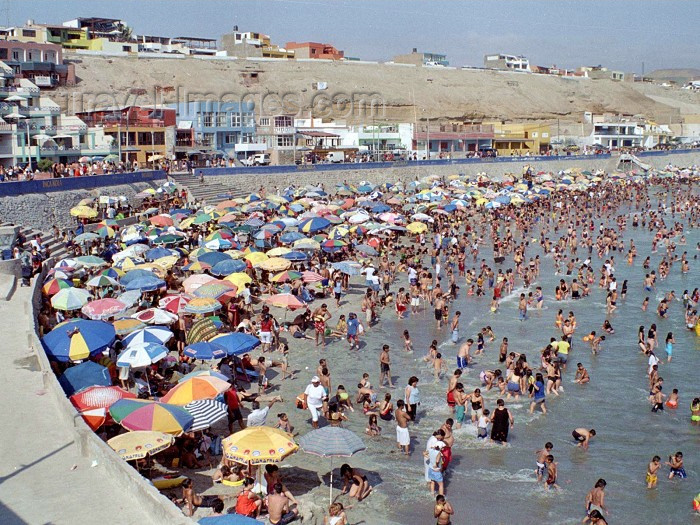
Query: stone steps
(210, 191)
(56, 247)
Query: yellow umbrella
(239, 279)
(167, 262)
(259, 445)
(83, 211)
(235, 254)
(256, 258)
(186, 223)
(194, 389)
(126, 326)
(140, 443)
(417, 227)
(274, 264)
(276, 252)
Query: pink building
(314, 50)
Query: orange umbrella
(194, 389)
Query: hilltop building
(506, 62)
(250, 44)
(314, 50)
(422, 58)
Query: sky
(619, 34)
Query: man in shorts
(583, 436)
(403, 439)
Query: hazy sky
(620, 34)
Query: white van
(335, 156)
(259, 159)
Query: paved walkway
(43, 477)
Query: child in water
(372, 428)
(551, 480)
(672, 401)
(652, 470)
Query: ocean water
(492, 484)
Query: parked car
(335, 156)
(259, 159)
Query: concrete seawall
(116, 472)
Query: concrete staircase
(211, 191)
(56, 247)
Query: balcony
(51, 151)
(284, 130)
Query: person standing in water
(595, 500)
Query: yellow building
(511, 138)
(139, 143)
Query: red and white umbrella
(174, 303)
(103, 308)
(99, 397)
(311, 277)
(155, 316)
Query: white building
(507, 62)
(616, 133)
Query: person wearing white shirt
(313, 398)
(258, 416)
(433, 441)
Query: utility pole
(427, 141)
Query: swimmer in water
(652, 472)
(582, 376)
(542, 460)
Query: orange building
(314, 50)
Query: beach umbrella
(196, 388)
(218, 244)
(83, 212)
(417, 227)
(227, 267)
(208, 373)
(105, 232)
(285, 300)
(258, 445)
(205, 350)
(90, 261)
(150, 334)
(146, 284)
(212, 290)
(202, 305)
(212, 258)
(156, 253)
(285, 276)
(138, 414)
(348, 267)
(99, 397)
(332, 245)
(139, 444)
(331, 442)
(103, 308)
(195, 281)
(311, 277)
(202, 330)
(127, 326)
(206, 412)
(274, 264)
(239, 279)
(155, 316)
(306, 244)
(295, 256)
(141, 354)
(77, 339)
(365, 249)
(82, 376)
(53, 286)
(130, 298)
(278, 252)
(86, 237)
(290, 237)
(100, 281)
(70, 299)
(255, 258)
(313, 224)
(161, 220)
(236, 343)
(94, 417)
(174, 303)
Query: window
(248, 120)
(207, 139)
(17, 55)
(222, 120)
(283, 122)
(159, 138)
(235, 120)
(207, 119)
(247, 138)
(545, 135)
(264, 121)
(3, 53)
(144, 138)
(230, 138)
(30, 33)
(285, 141)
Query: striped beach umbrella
(174, 303)
(70, 299)
(206, 412)
(196, 388)
(100, 281)
(212, 290)
(53, 286)
(285, 276)
(202, 305)
(138, 414)
(99, 397)
(150, 334)
(141, 354)
(313, 224)
(202, 330)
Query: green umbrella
(90, 260)
(203, 218)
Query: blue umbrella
(206, 350)
(135, 274)
(364, 189)
(313, 224)
(450, 207)
(146, 284)
(150, 334)
(295, 256)
(139, 355)
(290, 237)
(75, 335)
(236, 342)
(84, 375)
(157, 253)
(229, 519)
(379, 208)
(212, 258)
(347, 267)
(228, 267)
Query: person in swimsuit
(583, 436)
(192, 499)
(652, 472)
(551, 481)
(695, 411)
(541, 461)
(676, 464)
(443, 511)
(336, 515)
